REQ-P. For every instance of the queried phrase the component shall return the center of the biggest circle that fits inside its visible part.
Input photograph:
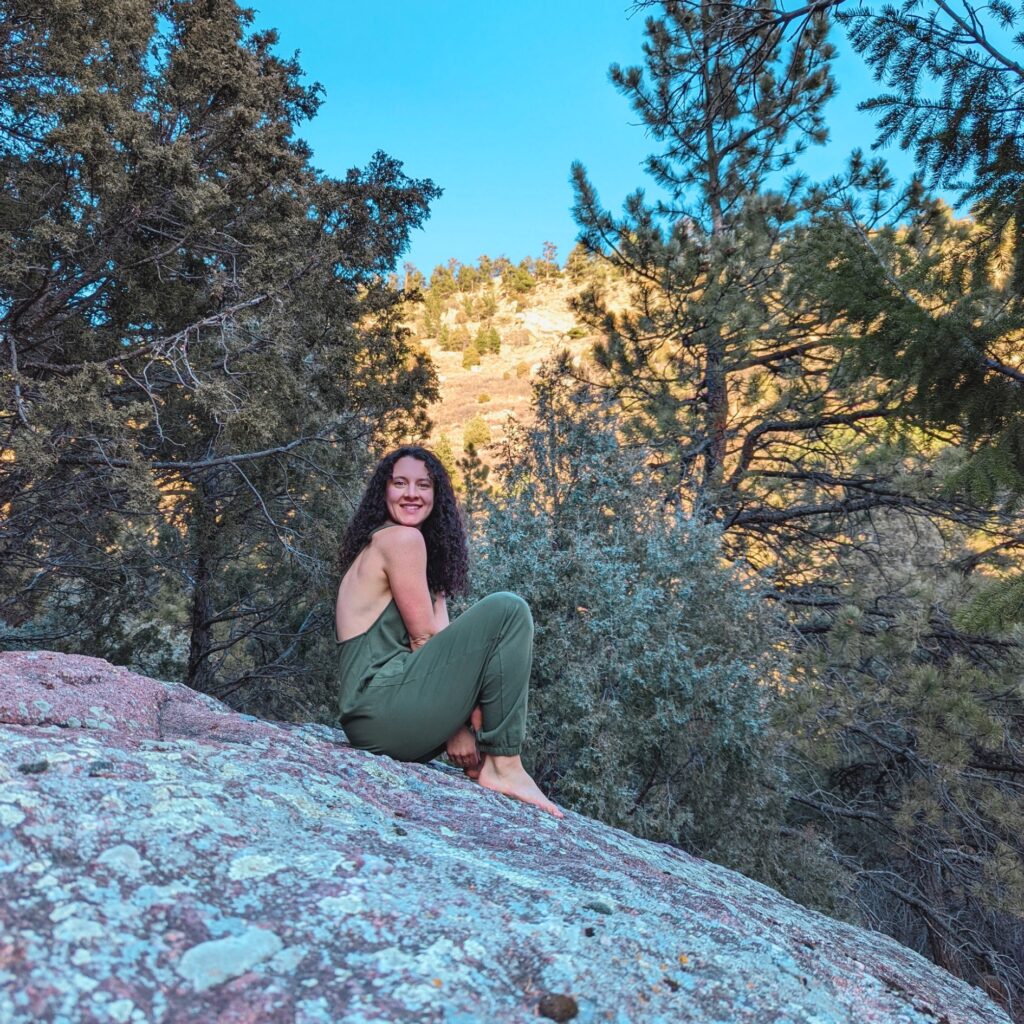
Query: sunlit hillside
(480, 387)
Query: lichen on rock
(219, 868)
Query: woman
(413, 686)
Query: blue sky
(493, 101)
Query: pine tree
(199, 340)
(442, 281)
(787, 355)
(728, 371)
(487, 341)
(907, 750)
(517, 280)
(953, 71)
(948, 330)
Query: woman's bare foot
(508, 776)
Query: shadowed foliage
(198, 341)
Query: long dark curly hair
(443, 529)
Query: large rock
(547, 323)
(164, 859)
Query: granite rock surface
(163, 859)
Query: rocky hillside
(531, 327)
(163, 859)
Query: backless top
(376, 654)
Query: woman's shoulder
(394, 537)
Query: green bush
(483, 397)
(433, 308)
(522, 369)
(517, 280)
(470, 358)
(487, 304)
(476, 433)
(655, 664)
(452, 341)
(487, 341)
(443, 450)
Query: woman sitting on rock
(413, 685)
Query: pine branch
(977, 33)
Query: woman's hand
(462, 749)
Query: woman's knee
(511, 605)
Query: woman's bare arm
(405, 564)
(440, 612)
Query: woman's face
(410, 492)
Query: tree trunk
(716, 419)
(200, 671)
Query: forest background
(766, 507)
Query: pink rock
(73, 691)
(165, 860)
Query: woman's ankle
(506, 763)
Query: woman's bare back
(363, 593)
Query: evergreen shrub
(655, 665)
(442, 448)
(487, 341)
(517, 280)
(449, 340)
(433, 310)
(476, 433)
(488, 304)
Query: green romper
(408, 703)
